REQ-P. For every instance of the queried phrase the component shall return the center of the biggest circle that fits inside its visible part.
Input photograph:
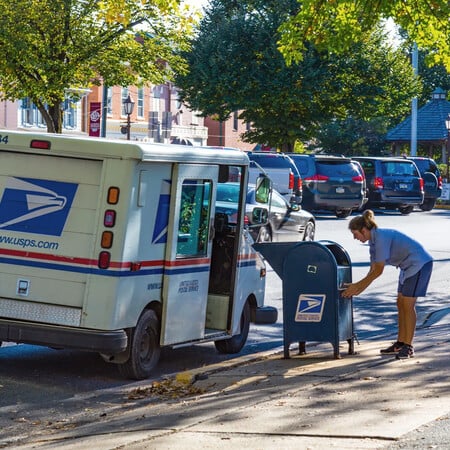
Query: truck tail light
(113, 195)
(422, 185)
(439, 182)
(107, 239)
(109, 219)
(300, 184)
(378, 183)
(291, 180)
(104, 259)
(40, 144)
(358, 178)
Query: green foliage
(335, 25)
(234, 65)
(48, 46)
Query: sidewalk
(362, 401)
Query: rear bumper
(109, 342)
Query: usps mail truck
(116, 247)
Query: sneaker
(407, 351)
(392, 349)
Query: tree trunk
(52, 116)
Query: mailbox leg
(286, 350)
(302, 348)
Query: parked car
(331, 183)
(432, 181)
(393, 183)
(286, 222)
(281, 170)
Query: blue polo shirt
(397, 249)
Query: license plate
(340, 190)
(403, 186)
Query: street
(47, 383)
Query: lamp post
(128, 106)
(447, 146)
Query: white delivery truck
(115, 247)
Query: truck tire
(145, 349)
(405, 210)
(428, 204)
(235, 343)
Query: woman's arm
(376, 269)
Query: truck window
(193, 226)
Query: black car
(392, 183)
(332, 183)
(286, 222)
(432, 180)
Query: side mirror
(294, 207)
(263, 188)
(260, 216)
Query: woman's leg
(406, 318)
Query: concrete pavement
(362, 401)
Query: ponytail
(364, 220)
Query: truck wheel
(406, 209)
(342, 213)
(428, 204)
(145, 349)
(235, 344)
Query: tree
(48, 47)
(234, 65)
(336, 24)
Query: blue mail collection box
(313, 274)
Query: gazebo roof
(430, 121)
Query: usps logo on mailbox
(310, 307)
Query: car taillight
(246, 221)
(291, 180)
(300, 184)
(358, 179)
(378, 183)
(421, 184)
(439, 182)
(317, 177)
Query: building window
(235, 121)
(123, 97)
(30, 116)
(109, 105)
(140, 103)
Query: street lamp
(128, 106)
(447, 124)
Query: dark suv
(333, 183)
(432, 180)
(393, 183)
(280, 168)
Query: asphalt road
(34, 380)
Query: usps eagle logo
(36, 206)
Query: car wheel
(264, 235)
(144, 350)
(342, 213)
(428, 204)
(235, 343)
(310, 231)
(406, 209)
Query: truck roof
(100, 148)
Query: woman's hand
(351, 290)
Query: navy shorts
(416, 286)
